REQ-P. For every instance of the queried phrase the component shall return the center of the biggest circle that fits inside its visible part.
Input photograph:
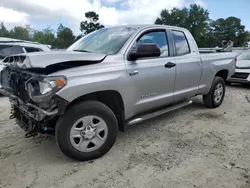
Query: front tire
(86, 131)
(216, 94)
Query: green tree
(3, 31)
(46, 36)
(91, 24)
(174, 17)
(65, 37)
(195, 19)
(30, 31)
(198, 20)
(19, 32)
(248, 36)
(230, 29)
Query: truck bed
(219, 56)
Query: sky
(40, 14)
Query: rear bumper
(235, 80)
(240, 76)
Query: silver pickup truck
(107, 80)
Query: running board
(157, 113)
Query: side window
(6, 50)
(31, 49)
(181, 43)
(158, 37)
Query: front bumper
(240, 76)
(37, 113)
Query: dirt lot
(191, 147)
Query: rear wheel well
(223, 74)
(110, 98)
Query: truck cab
(170, 77)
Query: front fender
(79, 86)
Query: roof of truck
(144, 26)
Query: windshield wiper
(82, 51)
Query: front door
(152, 79)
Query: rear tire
(216, 94)
(97, 127)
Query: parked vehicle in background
(9, 46)
(242, 71)
(109, 79)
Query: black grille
(14, 82)
(241, 75)
(12, 59)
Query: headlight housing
(43, 88)
(51, 84)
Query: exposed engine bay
(32, 91)
(32, 96)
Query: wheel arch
(223, 74)
(112, 98)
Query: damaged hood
(46, 59)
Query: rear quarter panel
(211, 65)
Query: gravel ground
(190, 147)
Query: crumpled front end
(26, 80)
(33, 98)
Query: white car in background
(9, 46)
(242, 70)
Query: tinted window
(157, 37)
(181, 43)
(245, 55)
(30, 49)
(6, 50)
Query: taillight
(235, 59)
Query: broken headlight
(40, 89)
(48, 85)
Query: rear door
(188, 66)
(152, 83)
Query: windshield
(245, 55)
(104, 41)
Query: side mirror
(144, 50)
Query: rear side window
(181, 43)
(7, 50)
(31, 49)
(157, 37)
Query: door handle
(133, 73)
(169, 65)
